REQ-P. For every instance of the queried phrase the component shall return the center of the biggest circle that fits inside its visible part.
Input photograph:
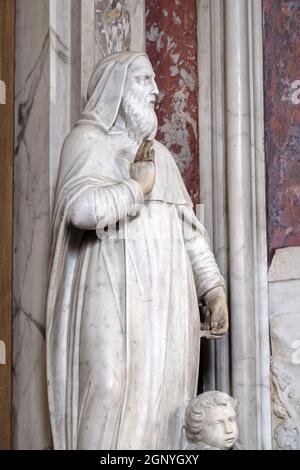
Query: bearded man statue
(123, 324)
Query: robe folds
(127, 275)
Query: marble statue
(130, 265)
(211, 422)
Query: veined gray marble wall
(32, 180)
(57, 45)
(284, 296)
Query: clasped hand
(216, 319)
(142, 170)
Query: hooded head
(122, 89)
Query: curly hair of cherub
(196, 409)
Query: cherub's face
(219, 428)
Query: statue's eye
(232, 420)
(143, 78)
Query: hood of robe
(106, 88)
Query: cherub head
(211, 421)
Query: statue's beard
(140, 117)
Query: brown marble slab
(171, 33)
(282, 121)
(7, 21)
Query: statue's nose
(228, 427)
(154, 87)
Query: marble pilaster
(42, 105)
(232, 175)
(31, 224)
(212, 163)
(246, 221)
(136, 9)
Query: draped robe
(123, 332)
(127, 274)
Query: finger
(152, 153)
(149, 151)
(150, 156)
(216, 321)
(220, 331)
(217, 324)
(147, 146)
(140, 153)
(209, 335)
(218, 318)
(143, 151)
(205, 328)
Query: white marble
(136, 10)
(246, 218)
(90, 53)
(284, 297)
(55, 55)
(123, 324)
(211, 422)
(42, 110)
(31, 224)
(232, 177)
(212, 165)
(60, 82)
(259, 208)
(285, 265)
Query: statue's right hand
(142, 170)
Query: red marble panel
(282, 121)
(172, 48)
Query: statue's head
(122, 94)
(211, 419)
(138, 101)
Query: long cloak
(123, 329)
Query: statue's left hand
(217, 312)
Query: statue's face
(140, 82)
(219, 427)
(137, 107)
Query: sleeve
(205, 269)
(100, 207)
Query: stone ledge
(285, 265)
